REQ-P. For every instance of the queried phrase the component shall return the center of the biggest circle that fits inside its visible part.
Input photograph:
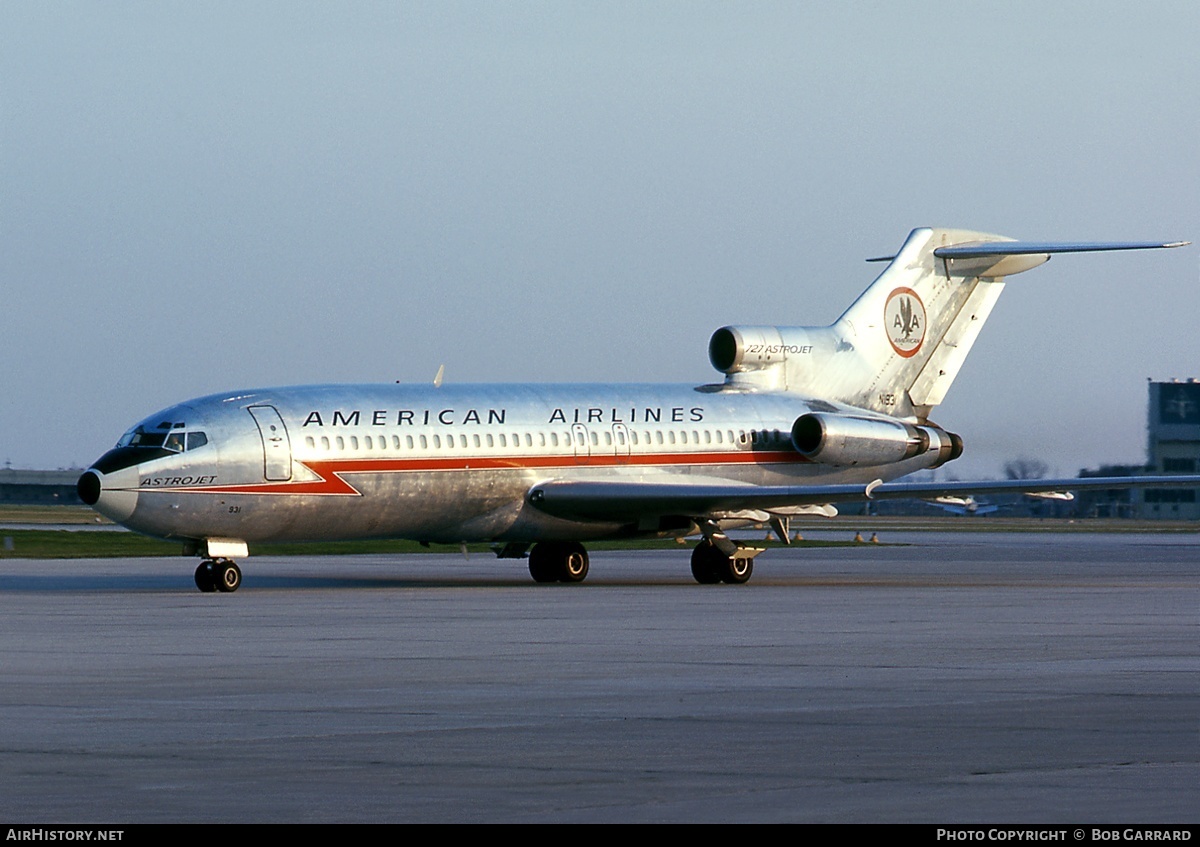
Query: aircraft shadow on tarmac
(171, 583)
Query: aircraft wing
(629, 500)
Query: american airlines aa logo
(904, 321)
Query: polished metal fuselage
(452, 463)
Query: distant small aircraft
(805, 418)
(967, 506)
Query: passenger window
(478, 443)
(424, 443)
(528, 440)
(503, 440)
(311, 442)
(554, 439)
(341, 443)
(608, 439)
(408, 441)
(491, 442)
(683, 437)
(437, 442)
(368, 443)
(354, 442)
(396, 442)
(324, 442)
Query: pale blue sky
(199, 197)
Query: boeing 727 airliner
(805, 418)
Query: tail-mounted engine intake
(845, 440)
(736, 349)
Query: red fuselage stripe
(331, 471)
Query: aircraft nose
(89, 487)
(113, 495)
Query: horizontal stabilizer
(1030, 248)
(980, 249)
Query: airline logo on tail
(904, 321)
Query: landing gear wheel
(707, 562)
(573, 563)
(556, 561)
(229, 576)
(737, 569)
(206, 577)
(541, 563)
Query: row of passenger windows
(621, 438)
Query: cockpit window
(139, 437)
(171, 439)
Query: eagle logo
(904, 321)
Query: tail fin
(900, 345)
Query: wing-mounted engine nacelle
(846, 440)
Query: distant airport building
(1173, 446)
(46, 488)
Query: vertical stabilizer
(912, 329)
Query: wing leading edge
(618, 500)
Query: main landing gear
(567, 561)
(218, 575)
(710, 565)
(558, 561)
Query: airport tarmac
(956, 678)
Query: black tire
(736, 570)
(542, 565)
(706, 563)
(572, 563)
(206, 578)
(229, 576)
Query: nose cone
(89, 487)
(113, 495)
